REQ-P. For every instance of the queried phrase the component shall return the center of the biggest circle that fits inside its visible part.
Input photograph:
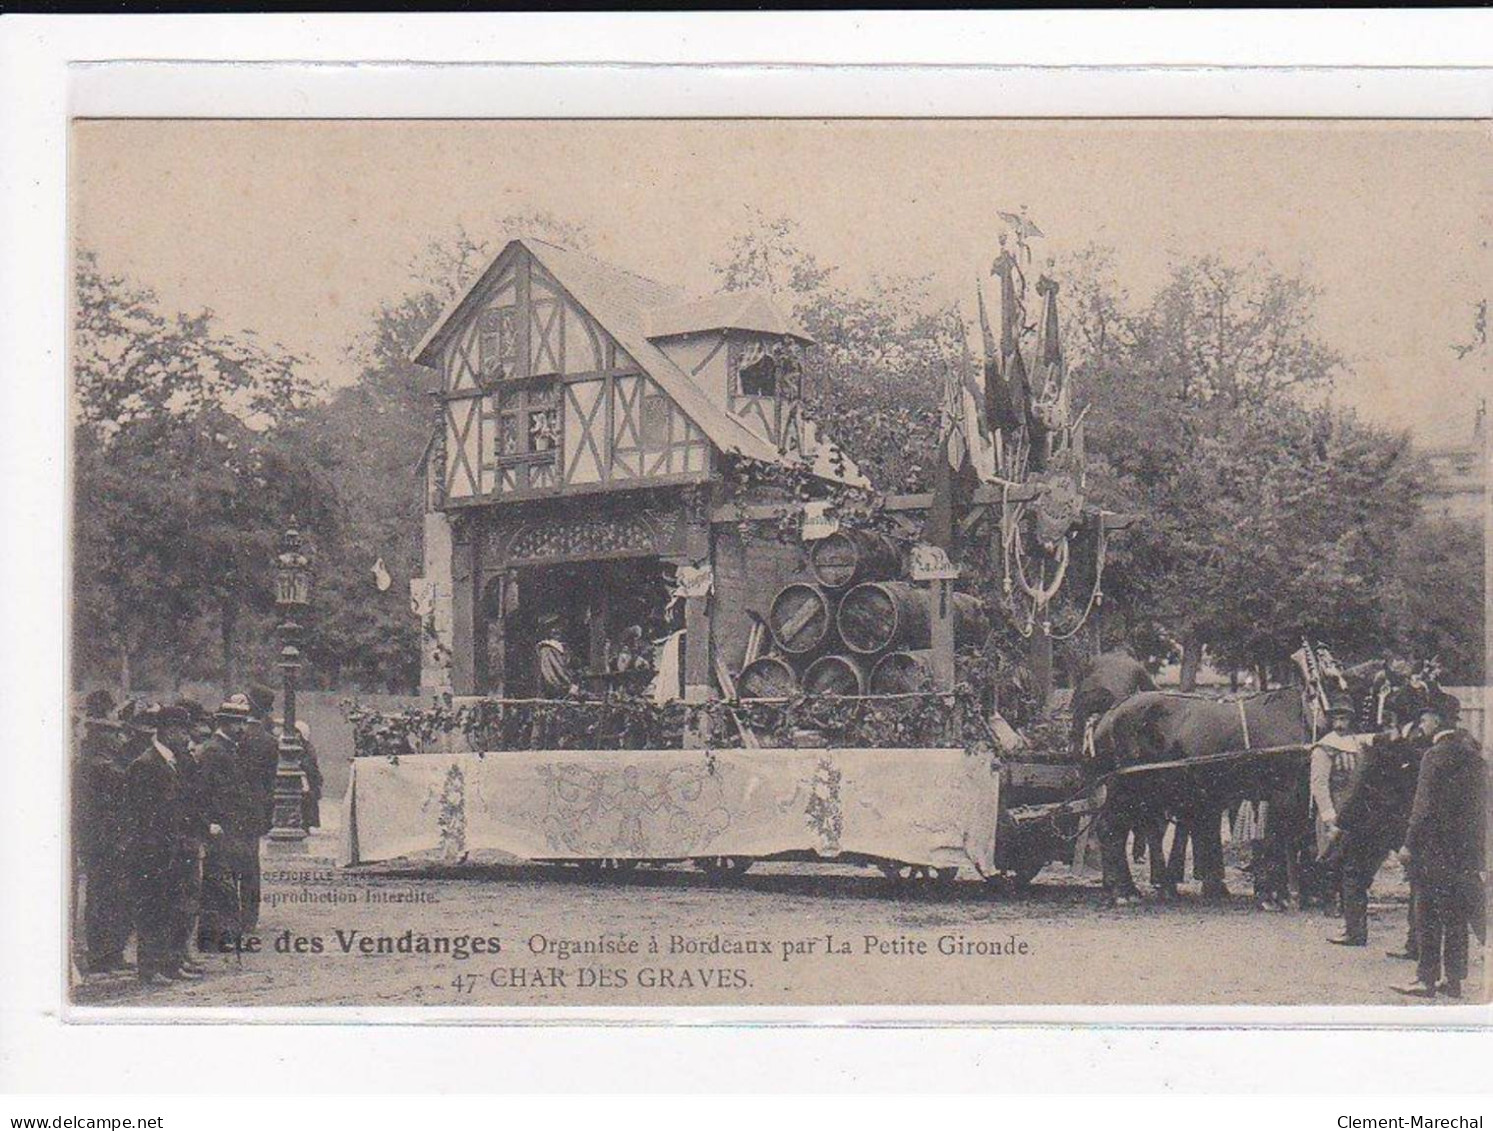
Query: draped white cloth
(933, 807)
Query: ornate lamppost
(292, 595)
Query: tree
(181, 479)
(131, 362)
(1436, 602)
(1317, 502)
(876, 378)
(767, 255)
(1246, 334)
(1267, 516)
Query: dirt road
(492, 936)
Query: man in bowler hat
(188, 719)
(154, 789)
(1444, 852)
(1372, 818)
(234, 815)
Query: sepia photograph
(755, 562)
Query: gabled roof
(621, 301)
(732, 310)
(625, 304)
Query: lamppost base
(287, 842)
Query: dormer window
(758, 373)
(766, 369)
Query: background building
(1460, 467)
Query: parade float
(763, 657)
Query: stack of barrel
(853, 628)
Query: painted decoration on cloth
(934, 807)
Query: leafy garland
(794, 484)
(880, 721)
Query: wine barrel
(879, 615)
(767, 677)
(801, 618)
(898, 673)
(848, 557)
(835, 675)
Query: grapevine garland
(914, 719)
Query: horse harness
(1187, 763)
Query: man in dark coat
(1372, 819)
(99, 835)
(261, 753)
(186, 719)
(311, 766)
(1445, 845)
(154, 790)
(234, 815)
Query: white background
(37, 93)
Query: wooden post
(481, 669)
(941, 632)
(596, 646)
(465, 579)
(497, 622)
(696, 649)
(1042, 662)
(697, 642)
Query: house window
(758, 374)
(497, 337)
(544, 429)
(526, 439)
(767, 369)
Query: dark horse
(1108, 679)
(1154, 726)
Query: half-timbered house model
(588, 418)
(614, 464)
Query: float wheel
(917, 873)
(607, 866)
(723, 869)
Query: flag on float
(1013, 365)
(1001, 414)
(1051, 410)
(965, 453)
(1049, 352)
(982, 443)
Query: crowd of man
(171, 802)
(1416, 787)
